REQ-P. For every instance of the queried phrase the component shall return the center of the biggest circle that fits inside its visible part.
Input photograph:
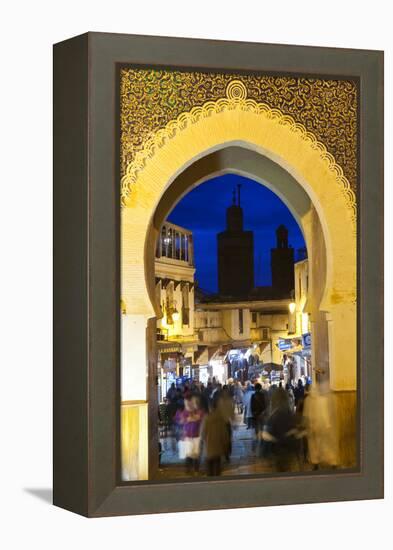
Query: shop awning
(295, 345)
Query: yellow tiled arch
(255, 126)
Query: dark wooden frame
(86, 275)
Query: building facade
(174, 277)
(239, 339)
(223, 337)
(296, 347)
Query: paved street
(243, 458)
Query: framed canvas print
(218, 287)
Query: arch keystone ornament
(236, 90)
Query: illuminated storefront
(296, 357)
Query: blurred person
(258, 405)
(281, 396)
(204, 399)
(231, 387)
(217, 387)
(271, 390)
(207, 393)
(171, 400)
(179, 400)
(302, 427)
(216, 440)
(321, 428)
(299, 392)
(165, 417)
(225, 407)
(291, 395)
(239, 397)
(291, 372)
(189, 421)
(279, 432)
(249, 392)
(171, 393)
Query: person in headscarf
(189, 421)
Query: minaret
(282, 265)
(235, 253)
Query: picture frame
(86, 412)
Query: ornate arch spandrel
(236, 100)
(152, 97)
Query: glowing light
(304, 322)
(175, 315)
(292, 307)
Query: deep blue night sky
(203, 211)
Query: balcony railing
(175, 242)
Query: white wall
(133, 358)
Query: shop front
(296, 358)
(245, 363)
(167, 370)
(175, 366)
(219, 366)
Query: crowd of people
(288, 423)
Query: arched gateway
(238, 135)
